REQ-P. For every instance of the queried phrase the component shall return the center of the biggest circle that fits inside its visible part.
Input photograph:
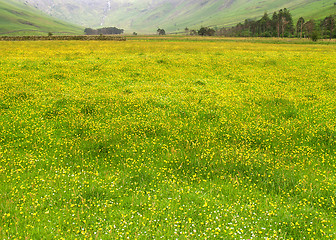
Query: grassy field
(167, 139)
(196, 38)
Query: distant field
(190, 38)
(167, 139)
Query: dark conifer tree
(299, 27)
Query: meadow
(148, 139)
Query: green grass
(18, 19)
(167, 139)
(188, 38)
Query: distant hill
(20, 19)
(145, 16)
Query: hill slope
(174, 15)
(20, 19)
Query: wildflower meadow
(158, 139)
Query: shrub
(314, 36)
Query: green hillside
(218, 13)
(145, 16)
(19, 19)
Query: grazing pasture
(167, 139)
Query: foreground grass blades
(148, 139)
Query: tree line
(280, 24)
(103, 31)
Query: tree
(193, 32)
(299, 26)
(265, 24)
(211, 32)
(285, 23)
(110, 30)
(276, 24)
(309, 28)
(90, 31)
(103, 31)
(282, 23)
(204, 31)
(161, 31)
(329, 25)
(314, 36)
(288, 28)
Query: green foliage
(315, 36)
(328, 26)
(281, 25)
(103, 31)
(205, 31)
(161, 31)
